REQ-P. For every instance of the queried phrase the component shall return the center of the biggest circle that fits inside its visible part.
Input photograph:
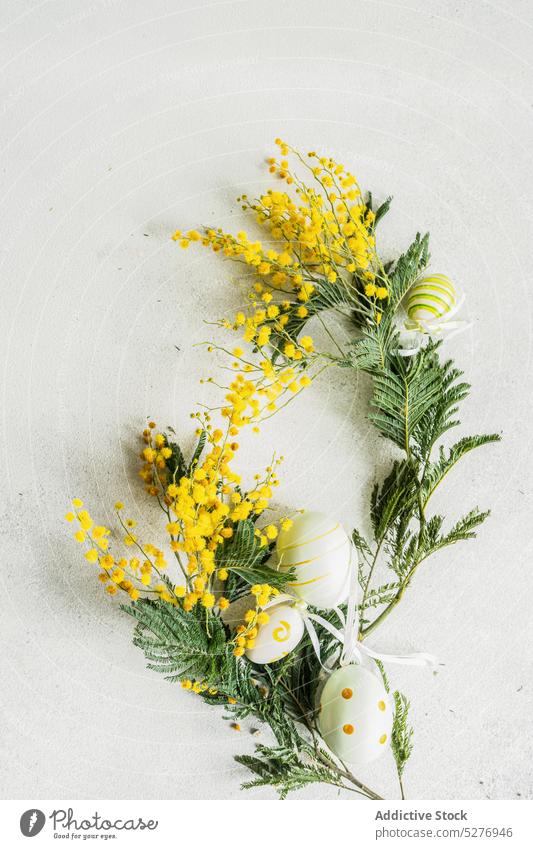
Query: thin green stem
(396, 600)
(369, 578)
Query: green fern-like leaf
(177, 466)
(402, 733)
(404, 393)
(243, 555)
(406, 270)
(372, 350)
(441, 415)
(361, 544)
(176, 643)
(243, 550)
(465, 528)
(382, 209)
(394, 498)
(381, 595)
(285, 770)
(437, 471)
(200, 445)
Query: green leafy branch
(415, 402)
(402, 736)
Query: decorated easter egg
(279, 636)
(356, 715)
(430, 298)
(320, 551)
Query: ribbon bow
(438, 326)
(353, 650)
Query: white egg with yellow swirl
(356, 715)
(431, 298)
(279, 636)
(320, 551)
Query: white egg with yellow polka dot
(320, 551)
(279, 636)
(356, 715)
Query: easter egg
(356, 715)
(279, 636)
(431, 298)
(320, 551)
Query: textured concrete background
(124, 120)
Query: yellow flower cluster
(155, 456)
(320, 240)
(202, 509)
(245, 634)
(133, 575)
(198, 687)
(258, 392)
(322, 232)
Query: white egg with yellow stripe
(320, 551)
(431, 298)
(356, 715)
(279, 636)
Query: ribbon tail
(327, 625)
(309, 618)
(457, 327)
(415, 659)
(350, 649)
(408, 352)
(456, 307)
(313, 636)
(341, 616)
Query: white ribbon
(438, 326)
(353, 650)
(309, 618)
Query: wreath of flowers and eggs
(272, 619)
